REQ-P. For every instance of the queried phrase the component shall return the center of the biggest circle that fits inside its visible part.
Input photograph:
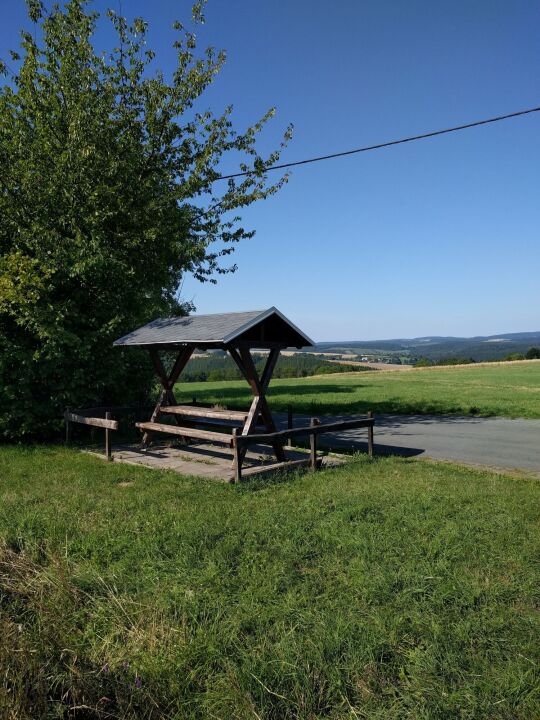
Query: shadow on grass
(310, 399)
(239, 394)
(353, 446)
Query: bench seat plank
(217, 437)
(202, 412)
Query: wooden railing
(85, 419)
(240, 443)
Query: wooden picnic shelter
(237, 333)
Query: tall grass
(384, 589)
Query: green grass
(383, 589)
(506, 390)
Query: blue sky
(437, 237)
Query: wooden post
(108, 455)
(68, 426)
(313, 445)
(289, 423)
(237, 458)
(370, 435)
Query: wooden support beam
(370, 434)
(68, 425)
(237, 459)
(259, 406)
(108, 454)
(289, 422)
(167, 381)
(273, 357)
(313, 445)
(244, 361)
(233, 352)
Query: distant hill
(479, 348)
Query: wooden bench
(217, 437)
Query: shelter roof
(258, 328)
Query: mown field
(506, 389)
(383, 589)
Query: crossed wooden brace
(244, 360)
(167, 382)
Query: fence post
(313, 445)
(237, 460)
(289, 423)
(370, 435)
(108, 438)
(68, 425)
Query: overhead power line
(389, 143)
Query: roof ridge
(200, 315)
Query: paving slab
(200, 459)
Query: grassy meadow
(382, 589)
(506, 389)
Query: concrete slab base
(202, 459)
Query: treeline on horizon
(532, 353)
(487, 349)
(218, 366)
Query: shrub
(423, 362)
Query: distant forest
(410, 351)
(218, 366)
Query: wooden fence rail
(107, 423)
(316, 429)
(240, 443)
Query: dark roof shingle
(217, 328)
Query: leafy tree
(107, 198)
(533, 353)
(514, 356)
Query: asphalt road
(496, 442)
